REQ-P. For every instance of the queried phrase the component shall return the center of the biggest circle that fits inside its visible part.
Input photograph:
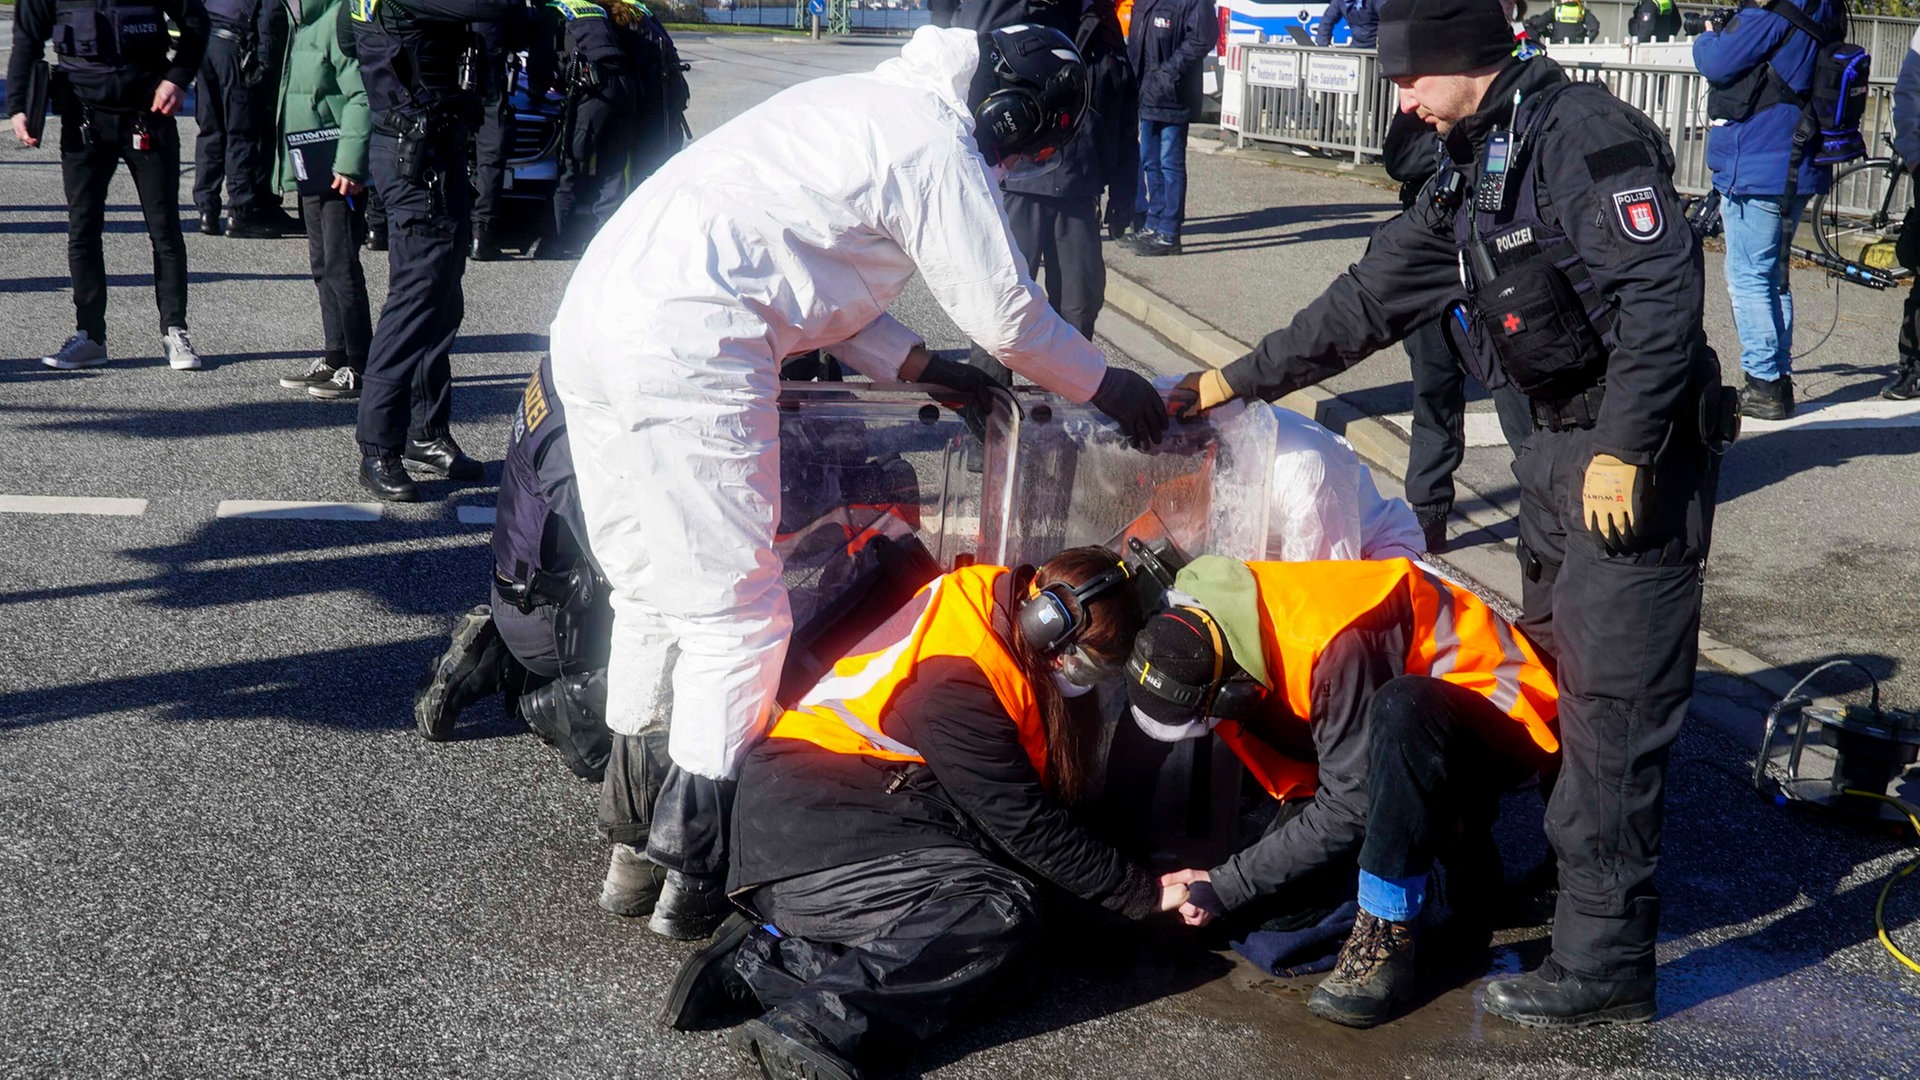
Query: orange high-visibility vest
(1124, 9)
(1455, 637)
(845, 712)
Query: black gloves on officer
(1134, 404)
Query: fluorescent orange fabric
(952, 616)
(1455, 637)
(1124, 8)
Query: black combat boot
(786, 1049)
(1767, 399)
(383, 475)
(484, 248)
(1906, 382)
(210, 222)
(569, 714)
(473, 667)
(1372, 976)
(690, 906)
(442, 457)
(708, 992)
(1433, 526)
(1551, 996)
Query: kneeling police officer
(1556, 208)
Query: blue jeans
(1756, 283)
(1163, 165)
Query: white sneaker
(80, 351)
(180, 353)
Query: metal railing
(1335, 101)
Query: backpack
(1837, 98)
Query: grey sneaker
(180, 352)
(80, 351)
(344, 386)
(318, 373)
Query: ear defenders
(1233, 697)
(1047, 620)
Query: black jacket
(123, 87)
(799, 808)
(1104, 153)
(1357, 663)
(1592, 147)
(1168, 42)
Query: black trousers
(680, 818)
(892, 950)
(408, 389)
(376, 209)
(237, 124)
(1908, 255)
(1439, 757)
(1438, 442)
(1060, 239)
(593, 178)
(334, 231)
(491, 142)
(1625, 632)
(86, 168)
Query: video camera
(1694, 23)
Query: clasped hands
(1190, 892)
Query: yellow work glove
(1613, 502)
(1197, 393)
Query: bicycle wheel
(1859, 219)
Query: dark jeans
(236, 127)
(408, 390)
(1438, 442)
(333, 253)
(892, 950)
(1061, 241)
(491, 143)
(1625, 631)
(1908, 253)
(1163, 168)
(593, 179)
(681, 819)
(1440, 756)
(86, 171)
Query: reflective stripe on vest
(1454, 637)
(1570, 13)
(362, 10)
(578, 9)
(952, 616)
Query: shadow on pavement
(1760, 460)
(133, 281)
(479, 402)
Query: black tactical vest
(537, 523)
(99, 38)
(411, 66)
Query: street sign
(818, 7)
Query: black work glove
(1134, 404)
(964, 387)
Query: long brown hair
(1113, 618)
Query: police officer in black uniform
(1565, 23)
(237, 108)
(493, 141)
(1655, 20)
(578, 49)
(1584, 289)
(544, 638)
(421, 64)
(117, 87)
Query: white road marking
(300, 511)
(1874, 413)
(1483, 428)
(62, 504)
(475, 515)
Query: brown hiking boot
(1372, 976)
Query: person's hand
(1613, 503)
(1172, 897)
(1201, 905)
(1133, 403)
(347, 185)
(167, 98)
(1197, 393)
(20, 130)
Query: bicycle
(1849, 237)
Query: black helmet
(1029, 92)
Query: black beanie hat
(1175, 643)
(1441, 37)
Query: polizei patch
(1639, 214)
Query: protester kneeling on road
(543, 640)
(895, 829)
(325, 120)
(1396, 703)
(667, 347)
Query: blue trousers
(1163, 167)
(1757, 283)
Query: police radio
(1497, 163)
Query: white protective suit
(792, 227)
(1323, 504)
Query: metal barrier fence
(1334, 101)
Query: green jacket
(320, 87)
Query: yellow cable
(1880, 905)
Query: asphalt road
(223, 852)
